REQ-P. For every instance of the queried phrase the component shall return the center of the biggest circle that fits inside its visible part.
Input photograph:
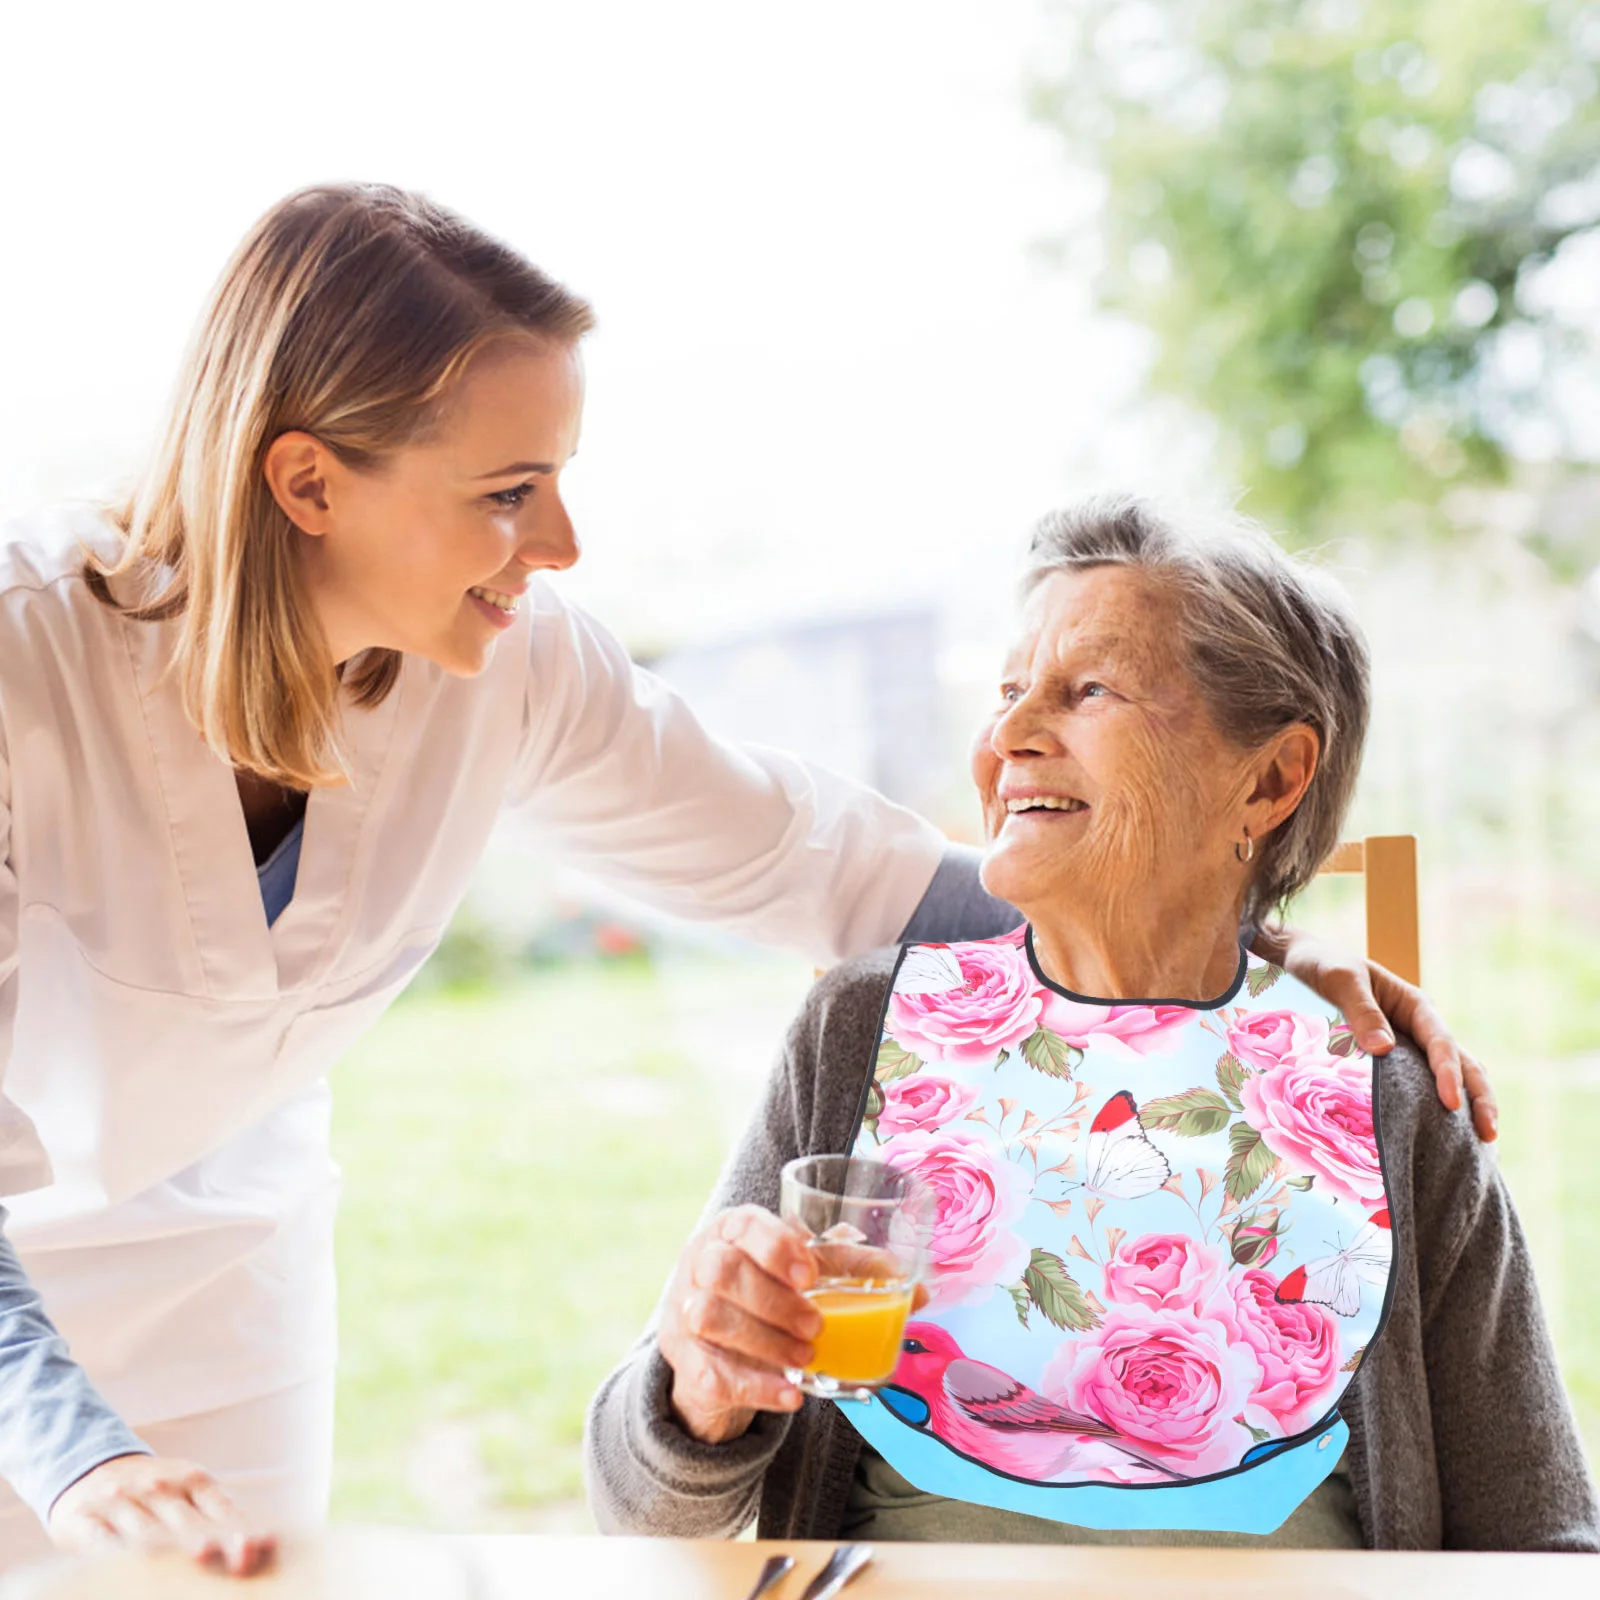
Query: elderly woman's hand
(1372, 998)
(735, 1317)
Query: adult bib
(1163, 1244)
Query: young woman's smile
(431, 549)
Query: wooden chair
(1389, 862)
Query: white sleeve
(617, 770)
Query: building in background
(861, 695)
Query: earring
(1249, 851)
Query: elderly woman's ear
(1279, 777)
(1131, 623)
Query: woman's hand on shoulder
(1375, 1002)
(735, 1317)
(155, 1501)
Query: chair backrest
(1389, 864)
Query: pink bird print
(988, 1415)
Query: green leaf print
(894, 1062)
(1194, 1113)
(1257, 1435)
(1231, 1073)
(1021, 1299)
(1050, 1054)
(1059, 1299)
(1302, 1183)
(1262, 978)
(1249, 1164)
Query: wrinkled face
(1100, 771)
(430, 549)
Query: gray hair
(1270, 641)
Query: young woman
(256, 730)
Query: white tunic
(163, 1052)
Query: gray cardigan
(1461, 1436)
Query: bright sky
(831, 371)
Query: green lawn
(521, 1166)
(519, 1169)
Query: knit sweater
(1461, 1435)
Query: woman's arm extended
(616, 768)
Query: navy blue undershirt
(277, 873)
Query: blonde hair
(348, 312)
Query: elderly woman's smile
(1112, 800)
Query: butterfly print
(1335, 1281)
(1122, 1163)
(929, 969)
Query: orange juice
(862, 1321)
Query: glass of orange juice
(868, 1225)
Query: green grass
(520, 1168)
(522, 1165)
(1551, 1133)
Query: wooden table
(404, 1566)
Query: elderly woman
(1201, 1273)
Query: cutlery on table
(843, 1565)
(776, 1569)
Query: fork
(776, 1569)
(843, 1565)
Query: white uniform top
(164, 1123)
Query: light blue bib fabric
(1163, 1244)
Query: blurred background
(879, 282)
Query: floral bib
(1162, 1248)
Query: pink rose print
(1169, 1381)
(996, 1010)
(1162, 1270)
(1122, 1032)
(1262, 1039)
(921, 1103)
(977, 1198)
(1297, 1348)
(1315, 1114)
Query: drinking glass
(868, 1226)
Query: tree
(1361, 234)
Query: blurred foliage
(1352, 229)
(478, 955)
